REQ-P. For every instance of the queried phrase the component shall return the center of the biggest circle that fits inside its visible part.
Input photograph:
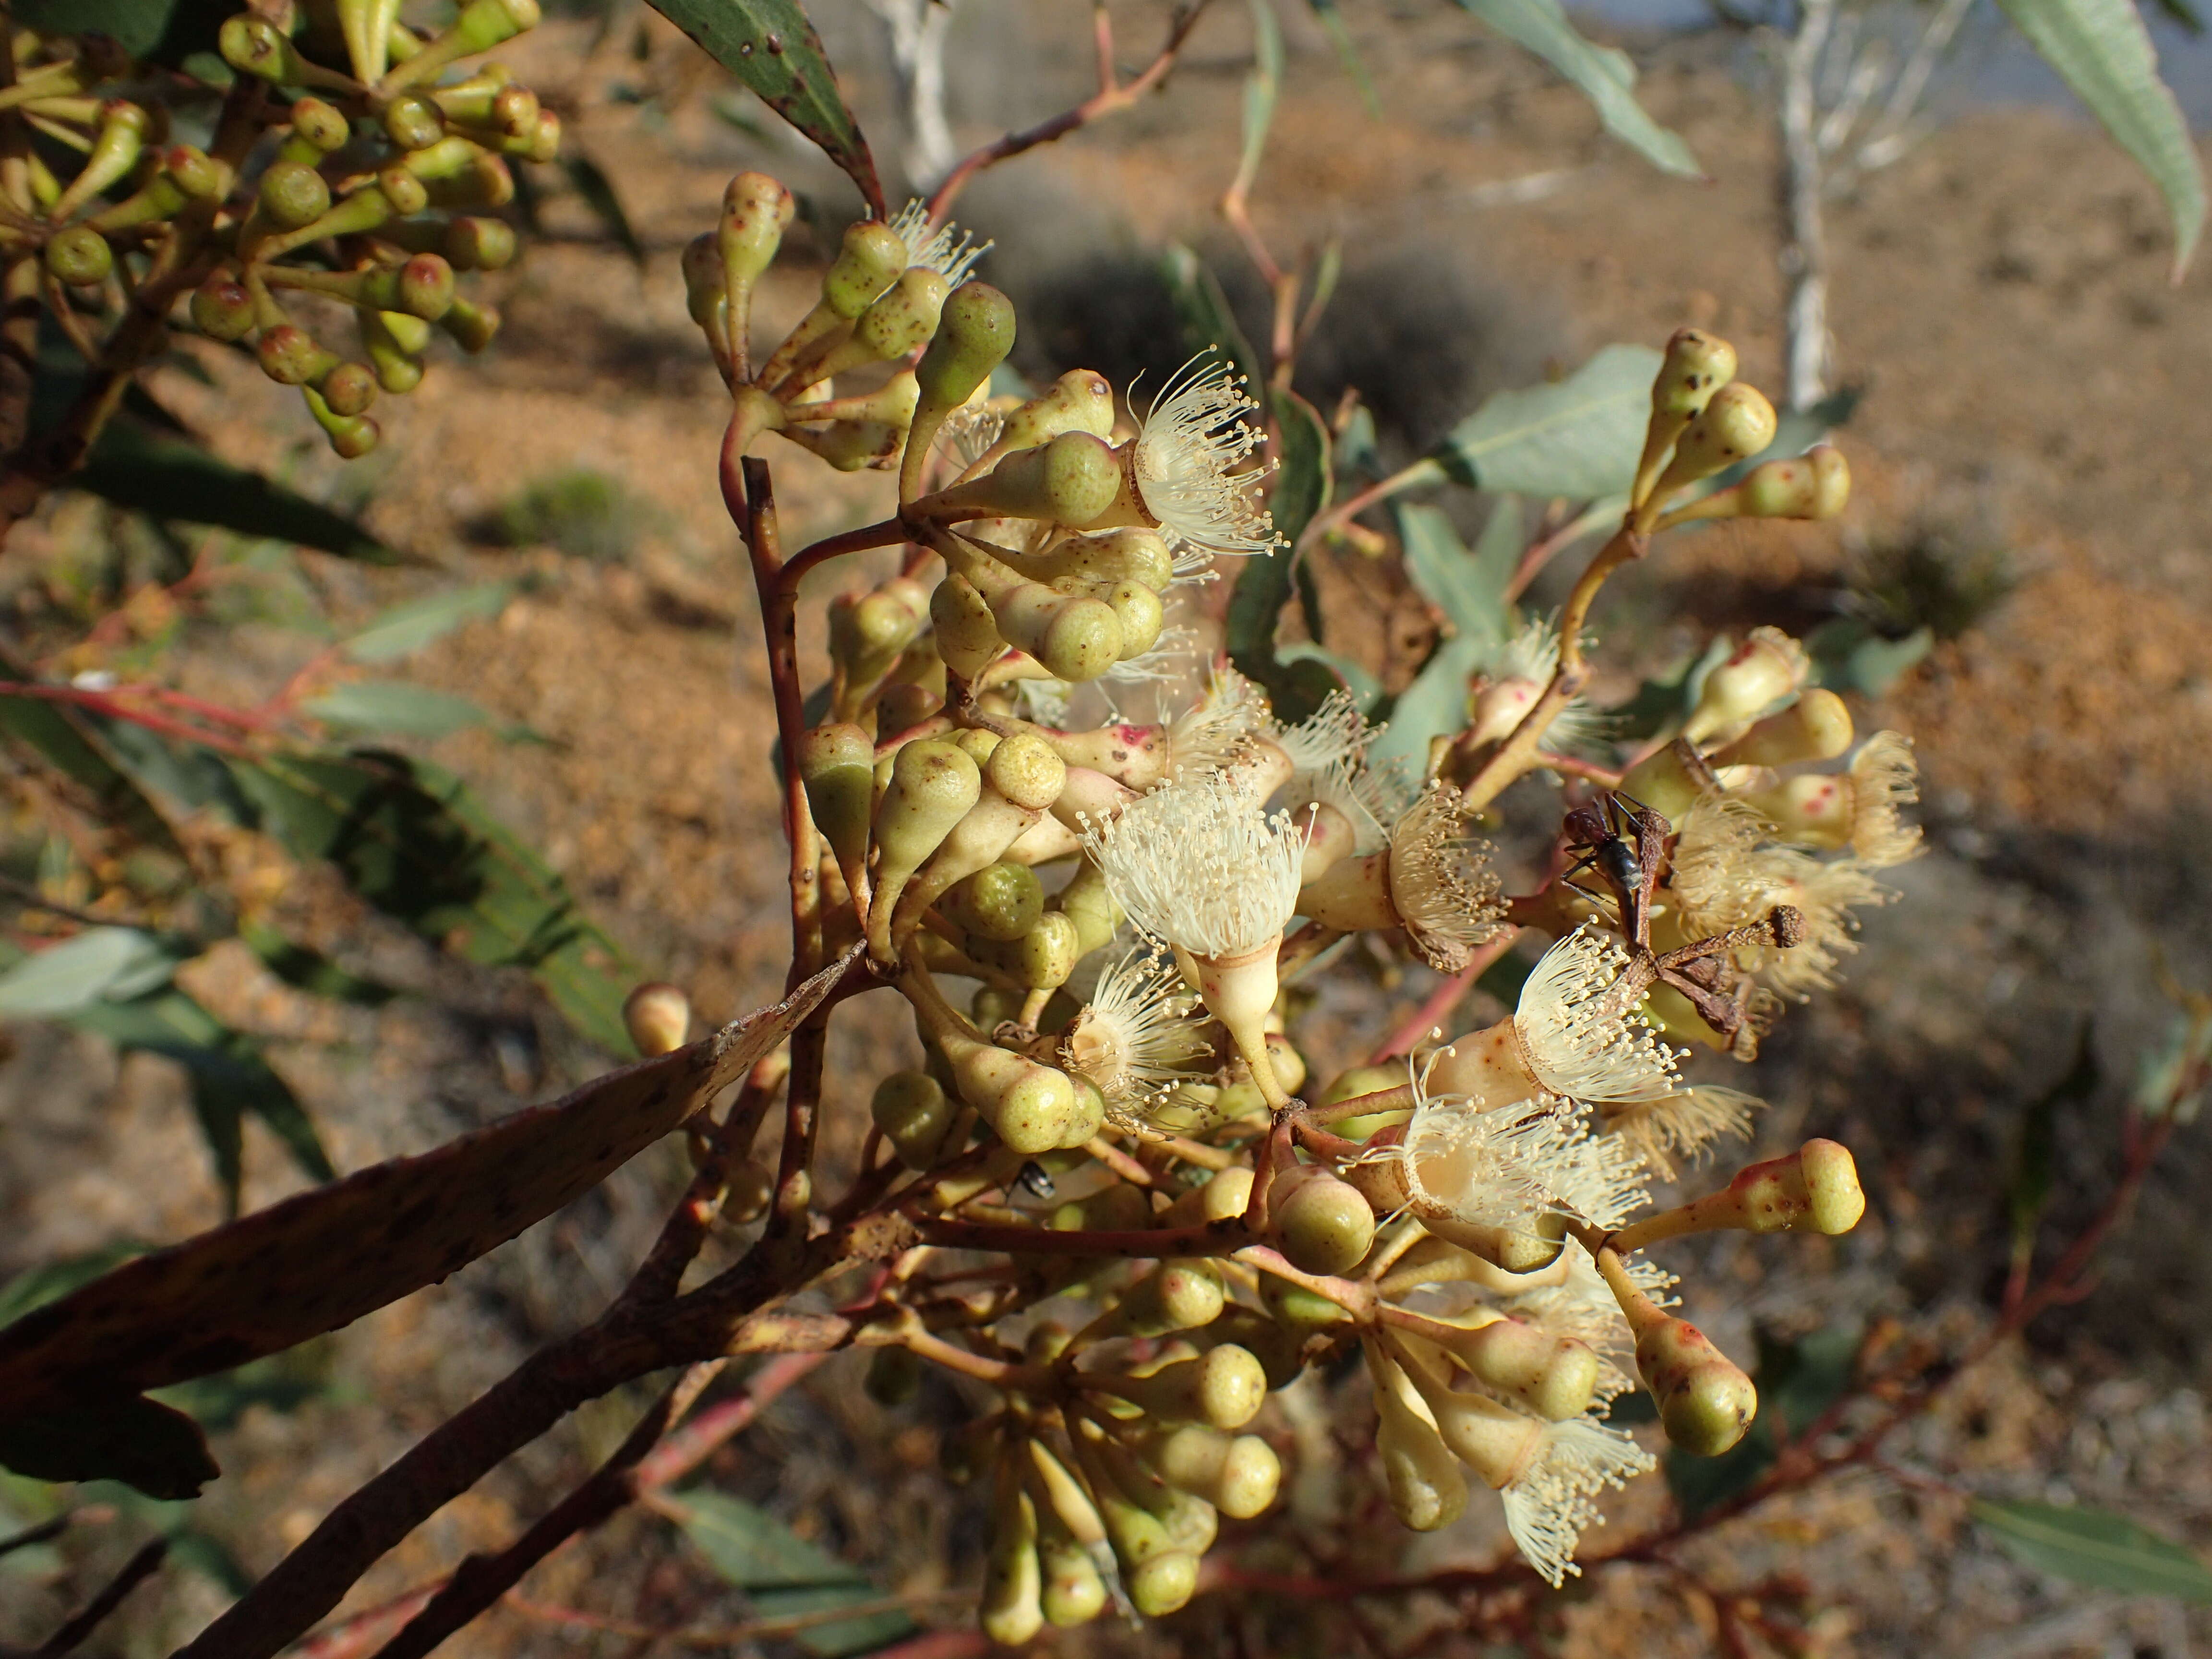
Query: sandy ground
(2001, 295)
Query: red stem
(1431, 1015)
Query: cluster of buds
(369, 185)
(1126, 900)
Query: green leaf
(396, 707)
(1365, 688)
(771, 46)
(2102, 49)
(781, 1573)
(229, 1080)
(1662, 703)
(99, 963)
(319, 1261)
(174, 478)
(1848, 655)
(1577, 438)
(1604, 74)
(2093, 1547)
(590, 181)
(281, 1382)
(1208, 323)
(406, 629)
(166, 31)
(50, 1281)
(2029, 1188)
(1302, 489)
(78, 746)
(1469, 588)
(1304, 479)
(1340, 36)
(414, 841)
(128, 1438)
(1434, 705)
(310, 970)
(1260, 88)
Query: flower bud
(1495, 1441)
(657, 1017)
(1224, 1197)
(1175, 1296)
(899, 323)
(254, 46)
(318, 126)
(1362, 1080)
(1013, 1582)
(1081, 400)
(350, 437)
(755, 208)
(1137, 609)
(1697, 364)
(292, 194)
(933, 785)
(1001, 903)
(1224, 1388)
(80, 256)
(397, 369)
(1238, 1476)
(116, 146)
(1322, 1223)
(414, 122)
(1768, 666)
(1814, 810)
(1815, 485)
(1071, 481)
(486, 181)
(1162, 1584)
(1091, 565)
(1554, 1376)
(868, 634)
(1060, 1494)
(1737, 424)
(471, 326)
(483, 24)
(869, 260)
(403, 190)
(974, 335)
(349, 389)
(1427, 1487)
(1089, 903)
(1073, 1592)
(1032, 1108)
(914, 1116)
(1707, 1404)
(967, 634)
(1296, 1310)
(1817, 726)
(290, 355)
(479, 244)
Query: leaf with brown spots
(771, 46)
(324, 1259)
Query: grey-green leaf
(406, 629)
(771, 46)
(2093, 1547)
(1469, 587)
(1433, 705)
(1202, 306)
(2102, 49)
(1577, 438)
(100, 962)
(395, 707)
(1604, 74)
(783, 1573)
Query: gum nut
(1698, 365)
(912, 1110)
(1832, 1184)
(1141, 615)
(1230, 1389)
(1164, 1583)
(1032, 1114)
(974, 335)
(869, 261)
(1082, 641)
(657, 1017)
(1074, 1594)
(1028, 771)
(1184, 1296)
(1082, 476)
(1324, 1225)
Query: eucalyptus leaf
(771, 46)
(1578, 438)
(395, 707)
(406, 629)
(1434, 705)
(1202, 307)
(1468, 588)
(2092, 1546)
(783, 1573)
(98, 963)
(2102, 49)
(1260, 88)
(154, 1448)
(1604, 75)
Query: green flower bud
(1091, 565)
(1089, 903)
(1073, 1593)
(1044, 956)
(1032, 1108)
(1070, 481)
(993, 1005)
(1224, 1196)
(1060, 1493)
(1164, 1583)
(1239, 1475)
(1362, 1080)
(974, 335)
(1698, 365)
(422, 287)
(1322, 1223)
(1427, 1487)
(1707, 1404)
(293, 194)
(484, 181)
(349, 389)
(80, 256)
(967, 634)
(1817, 726)
(1664, 783)
(414, 122)
(915, 1117)
(901, 322)
(222, 309)
(1815, 485)
(1001, 903)
(116, 146)
(1554, 1376)
(478, 244)
(317, 127)
(1276, 1348)
(409, 334)
(978, 744)
(837, 764)
(657, 1017)
(471, 326)
(1013, 1608)
(1737, 424)
(397, 368)
(254, 46)
(1176, 1295)
(290, 356)
(869, 260)
(1768, 666)
(1296, 1310)
(1224, 1388)
(515, 112)
(1495, 1441)
(350, 437)
(932, 786)
(754, 210)
(1081, 400)
(1140, 614)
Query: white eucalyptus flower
(1134, 1038)
(949, 251)
(1188, 464)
